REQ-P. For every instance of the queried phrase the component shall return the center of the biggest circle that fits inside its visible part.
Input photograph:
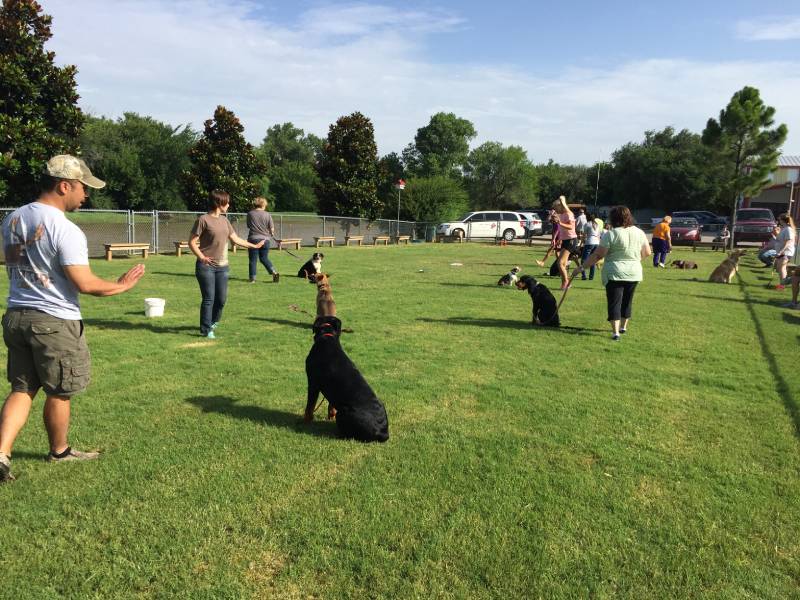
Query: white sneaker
(662, 266)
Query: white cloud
(176, 61)
(769, 29)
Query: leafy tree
(744, 145)
(499, 177)
(433, 199)
(668, 170)
(222, 159)
(141, 160)
(39, 116)
(390, 170)
(556, 180)
(286, 143)
(291, 156)
(441, 147)
(348, 169)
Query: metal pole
(596, 189)
(398, 211)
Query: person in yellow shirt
(662, 242)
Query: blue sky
(570, 81)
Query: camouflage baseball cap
(65, 166)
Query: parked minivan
(486, 224)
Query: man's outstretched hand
(132, 277)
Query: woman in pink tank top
(569, 238)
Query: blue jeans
(587, 252)
(260, 254)
(660, 251)
(767, 256)
(214, 290)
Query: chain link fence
(161, 229)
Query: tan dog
(326, 307)
(727, 269)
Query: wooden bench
(323, 239)
(180, 246)
(380, 238)
(110, 248)
(398, 239)
(289, 242)
(354, 238)
(712, 245)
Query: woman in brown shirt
(208, 241)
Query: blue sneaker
(214, 325)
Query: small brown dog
(326, 307)
(684, 264)
(727, 269)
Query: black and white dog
(545, 308)
(510, 278)
(359, 414)
(312, 267)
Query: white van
(486, 224)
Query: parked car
(534, 223)
(486, 224)
(753, 225)
(704, 217)
(684, 231)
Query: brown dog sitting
(727, 269)
(684, 264)
(326, 307)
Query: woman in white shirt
(591, 239)
(785, 246)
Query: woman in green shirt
(623, 248)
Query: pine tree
(39, 115)
(744, 146)
(223, 160)
(348, 170)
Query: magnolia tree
(348, 169)
(39, 115)
(223, 160)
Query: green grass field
(522, 463)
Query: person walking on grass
(591, 237)
(785, 245)
(662, 242)
(555, 240)
(569, 238)
(623, 247)
(795, 281)
(47, 262)
(261, 227)
(208, 241)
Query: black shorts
(571, 245)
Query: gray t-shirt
(39, 241)
(259, 222)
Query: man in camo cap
(47, 261)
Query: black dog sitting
(545, 308)
(359, 414)
(312, 267)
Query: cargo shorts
(45, 352)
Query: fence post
(131, 227)
(323, 226)
(280, 227)
(155, 232)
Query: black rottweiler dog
(359, 414)
(311, 267)
(545, 308)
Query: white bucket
(154, 307)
